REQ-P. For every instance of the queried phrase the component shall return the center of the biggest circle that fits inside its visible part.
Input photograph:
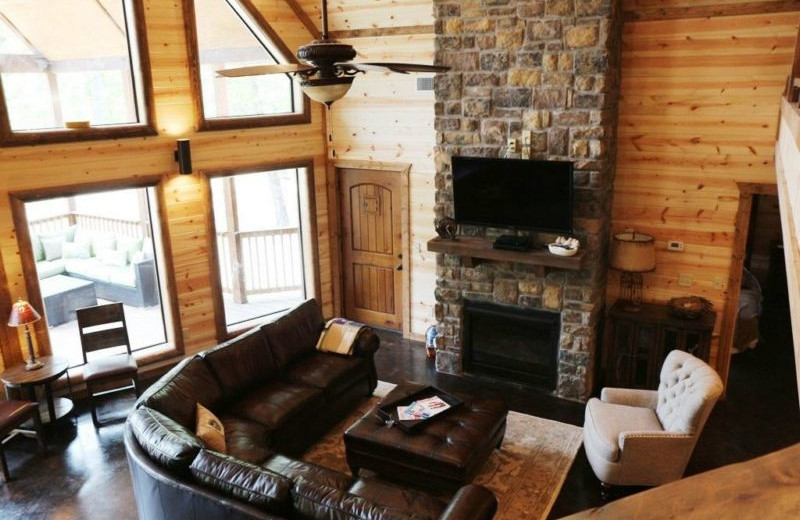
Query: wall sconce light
(183, 156)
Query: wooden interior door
(372, 255)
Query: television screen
(514, 193)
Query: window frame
(228, 123)
(9, 137)
(174, 344)
(308, 234)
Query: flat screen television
(513, 193)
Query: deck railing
(260, 262)
(116, 226)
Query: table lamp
(632, 253)
(23, 313)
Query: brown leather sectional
(275, 395)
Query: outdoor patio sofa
(121, 267)
(275, 395)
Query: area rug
(525, 474)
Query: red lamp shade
(22, 313)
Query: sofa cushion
(164, 440)
(248, 482)
(75, 250)
(179, 390)
(331, 373)
(294, 334)
(246, 440)
(605, 421)
(113, 257)
(278, 403)
(312, 500)
(295, 469)
(397, 497)
(45, 269)
(242, 363)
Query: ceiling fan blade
(402, 68)
(258, 70)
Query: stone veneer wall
(550, 67)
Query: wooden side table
(53, 408)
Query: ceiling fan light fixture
(326, 90)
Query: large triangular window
(73, 70)
(232, 33)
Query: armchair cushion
(630, 397)
(606, 421)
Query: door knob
(399, 267)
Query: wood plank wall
(787, 155)
(32, 167)
(384, 118)
(698, 113)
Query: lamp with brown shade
(23, 314)
(632, 253)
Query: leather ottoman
(444, 455)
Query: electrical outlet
(512, 145)
(674, 245)
(685, 280)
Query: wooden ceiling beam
(708, 11)
(304, 18)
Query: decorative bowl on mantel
(560, 250)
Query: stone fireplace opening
(512, 343)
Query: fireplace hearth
(512, 343)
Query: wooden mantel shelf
(476, 249)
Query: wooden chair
(103, 327)
(12, 415)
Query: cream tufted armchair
(645, 437)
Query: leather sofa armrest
(367, 343)
(630, 397)
(471, 502)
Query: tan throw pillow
(210, 429)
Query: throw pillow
(130, 245)
(210, 429)
(75, 250)
(113, 258)
(38, 248)
(101, 242)
(52, 248)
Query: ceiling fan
(326, 72)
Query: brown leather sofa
(275, 395)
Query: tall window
(98, 248)
(72, 69)
(231, 34)
(259, 239)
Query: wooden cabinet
(636, 343)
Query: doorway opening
(761, 378)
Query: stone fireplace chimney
(550, 67)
